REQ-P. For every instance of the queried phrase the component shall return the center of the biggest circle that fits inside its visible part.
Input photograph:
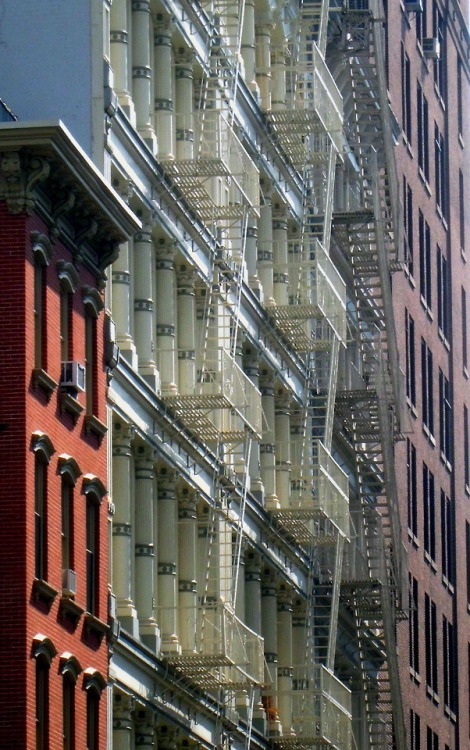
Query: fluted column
(248, 47)
(253, 620)
(144, 323)
(263, 31)
(186, 318)
(267, 445)
(121, 280)
(251, 254)
(284, 670)
(145, 547)
(187, 569)
(167, 560)
(119, 55)
(145, 722)
(280, 256)
(163, 102)
(265, 247)
(142, 72)
(282, 433)
(184, 103)
(278, 97)
(166, 315)
(251, 367)
(123, 706)
(269, 632)
(122, 527)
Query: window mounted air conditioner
(69, 582)
(414, 6)
(431, 48)
(73, 376)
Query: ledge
(70, 610)
(43, 381)
(43, 592)
(93, 426)
(69, 404)
(95, 626)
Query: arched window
(94, 491)
(44, 651)
(43, 451)
(70, 669)
(42, 251)
(94, 685)
(69, 471)
(93, 306)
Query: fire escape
(373, 580)
(315, 707)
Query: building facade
(429, 90)
(256, 405)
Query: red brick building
(428, 67)
(60, 225)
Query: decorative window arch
(42, 248)
(43, 648)
(68, 275)
(68, 467)
(42, 444)
(92, 301)
(69, 665)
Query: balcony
(221, 182)
(228, 653)
(321, 710)
(318, 504)
(316, 293)
(224, 405)
(313, 105)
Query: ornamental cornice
(19, 174)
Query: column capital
(19, 173)
(123, 706)
(167, 737)
(167, 479)
(123, 434)
(145, 722)
(184, 58)
(187, 503)
(282, 401)
(266, 382)
(163, 27)
(186, 279)
(284, 598)
(144, 458)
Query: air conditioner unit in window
(414, 6)
(432, 48)
(73, 376)
(69, 582)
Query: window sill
(93, 426)
(411, 406)
(450, 714)
(432, 695)
(95, 627)
(465, 372)
(429, 561)
(425, 181)
(414, 675)
(43, 381)
(43, 592)
(413, 539)
(444, 339)
(467, 490)
(446, 462)
(69, 403)
(441, 217)
(461, 141)
(448, 585)
(429, 435)
(69, 610)
(410, 278)
(463, 255)
(426, 308)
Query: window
(462, 210)
(413, 625)
(439, 64)
(460, 97)
(67, 523)
(432, 740)
(425, 283)
(92, 718)
(410, 359)
(42, 703)
(467, 545)
(415, 729)
(450, 672)
(463, 295)
(68, 712)
(92, 531)
(445, 419)
(466, 448)
(39, 314)
(423, 132)
(408, 225)
(90, 363)
(447, 540)
(421, 24)
(443, 307)
(40, 516)
(429, 515)
(412, 490)
(430, 635)
(65, 325)
(440, 170)
(427, 388)
(406, 94)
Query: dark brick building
(428, 70)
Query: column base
(274, 728)
(151, 376)
(272, 502)
(170, 645)
(125, 101)
(257, 489)
(127, 616)
(150, 636)
(169, 389)
(259, 718)
(129, 352)
(256, 287)
(254, 88)
(150, 139)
